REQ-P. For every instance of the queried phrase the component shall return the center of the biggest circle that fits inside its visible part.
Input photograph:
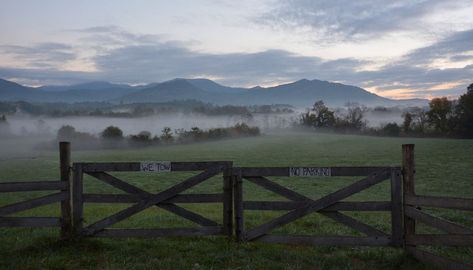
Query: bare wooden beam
(276, 188)
(354, 224)
(397, 230)
(408, 186)
(194, 217)
(134, 198)
(228, 202)
(135, 166)
(440, 202)
(436, 222)
(335, 171)
(326, 240)
(238, 205)
(160, 232)
(65, 170)
(32, 203)
(29, 222)
(338, 206)
(441, 239)
(77, 200)
(32, 186)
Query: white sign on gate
(309, 171)
(155, 166)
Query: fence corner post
(65, 171)
(228, 201)
(238, 198)
(408, 172)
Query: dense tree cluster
(443, 118)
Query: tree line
(442, 118)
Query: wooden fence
(62, 196)
(142, 199)
(330, 205)
(404, 206)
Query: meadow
(444, 167)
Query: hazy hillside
(301, 93)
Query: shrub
(112, 132)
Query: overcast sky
(398, 49)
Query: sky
(396, 49)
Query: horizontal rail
(213, 230)
(436, 222)
(30, 222)
(133, 198)
(326, 240)
(440, 202)
(339, 206)
(136, 166)
(285, 171)
(440, 239)
(33, 203)
(32, 186)
(439, 261)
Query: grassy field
(444, 167)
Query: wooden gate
(142, 199)
(329, 205)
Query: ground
(444, 167)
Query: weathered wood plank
(436, 222)
(194, 217)
(440, 202)
(326, 240)
(154, 199)
(32, 203)
(441, 239)
(135, 166)
(238, 205)
(115, 182)
(32, 186)
(335, 171)
(397, 230)
(437, 261)
(319, 204)
(29, 222)
(354, 224)
(408, 185)
(134, 198)
(65, 170)
(228, 202)
(339, 206)
(77, 199)
(217, 230)
(276, 188)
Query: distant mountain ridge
(301, 93)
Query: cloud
(44, 55)
(350, 20)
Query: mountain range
(301, 93)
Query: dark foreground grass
(444, 167)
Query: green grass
(444, 167)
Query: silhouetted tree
(440, 113)
(319, 116)
(464, 112)
(166, 135)
(112, 132)
(406, 125)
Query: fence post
(228, 202)
(396, 208)
(408, 172)
(238, 196)
(77, 207)
(65, 170)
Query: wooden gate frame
(328, 205)
(454, 234)
(62, 196)
(143, 199)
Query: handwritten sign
(309, 171)
(155, 166)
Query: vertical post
(227, 202)
(238, 196)
(65, 170)
(408, 172)
(397, 230)
(77, 207)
